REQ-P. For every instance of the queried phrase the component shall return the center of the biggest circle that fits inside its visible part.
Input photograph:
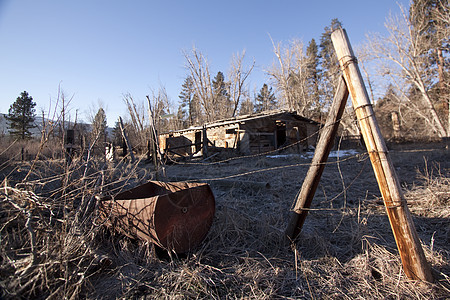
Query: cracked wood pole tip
(323, 148)
(413, 258)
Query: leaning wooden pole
(414, 262)
(323, 148)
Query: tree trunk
(443, 89)
(435, 117)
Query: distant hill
(3, 125)
(35, 132)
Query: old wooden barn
(249, 134)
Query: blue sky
(100, 50)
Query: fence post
(413, 258)
(125, 137)
(205, 142)
(155, 153)
(323, 148)
(154, 139)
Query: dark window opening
(230, 131)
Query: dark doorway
(198, 141)
(70, 136)
(281, 134)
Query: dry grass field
(52, 247)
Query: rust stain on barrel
(175, 216)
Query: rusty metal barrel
(175, 216)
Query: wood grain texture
(413, 259)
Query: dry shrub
(50, 245)
(28, 150)
(432, 197)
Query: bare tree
(217, 98)
(293, 77)
(431, 19)
(198, 68)
(290, 76)
(164, 120)
(401, 58)
(62, 104)
(238, 75)
(441, 14)
(137, 128)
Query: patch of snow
(285, 156)
(342, 153)
(336, 153)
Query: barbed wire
(360, 156)
(77, 187)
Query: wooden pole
(409, 247)
(323, 148)
(396, 124)
(154, 138)
(124, 135)
(205, 142)
(155, 154)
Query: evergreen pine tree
(221, 101)
(313, 77)
(99, 126)
(181, 118)
(329, 62)
(21, 116)
(189, 108)
(265, 100)
(247, 107)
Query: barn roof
(252, 117)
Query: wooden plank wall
(248, 137)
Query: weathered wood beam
(323, 148)
(414, 262)
(205, 142)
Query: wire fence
(138, 172)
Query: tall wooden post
(395, 124)
(204, 142)
(154, 138)
(155, 153)
(309, 187)
(409, 247)
(125, 137)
